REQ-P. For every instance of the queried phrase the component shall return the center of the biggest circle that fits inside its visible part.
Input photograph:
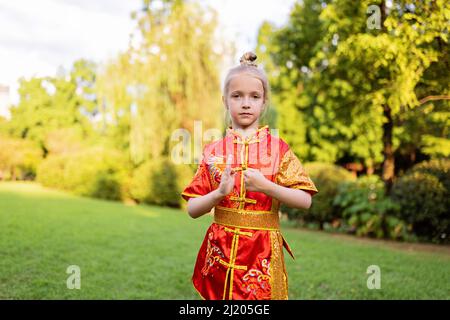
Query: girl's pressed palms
(227, 179)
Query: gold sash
(247, 219)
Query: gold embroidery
(258, 282)
(247, 219)
(292, 174)
(260, 132)
(235, 210)
(279, 279)
(216, 165)
(275, 206)
(210, 258)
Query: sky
(38, 37)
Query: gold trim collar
(258, 133)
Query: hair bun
(248, 59)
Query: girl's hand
(255, 180)
(227, 179)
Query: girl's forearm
(293, 198)
(199, 206)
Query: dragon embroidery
(258, 281)
(216, 165)
(213, 255)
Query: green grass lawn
(145, 252)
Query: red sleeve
(200, 184)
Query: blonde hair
(248, 66)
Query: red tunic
(241, 256)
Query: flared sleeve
(200, 184)
(291, 174)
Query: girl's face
(245, 101)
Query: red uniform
(241, 257)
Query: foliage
(341, 93)
(327, 178)
(440, 168)
(423, 196)
(165, 83)
(18, 158)
(160, 182)
(52, 103)
(341, 87)
(366, 211)
(95, 172)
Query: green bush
(366, 211)
(160, 182)
(440, 168)
(19, 159)
(185, 173)
(96, 172)
(327, 178)
(424, 202)
(50, 172)
(141, 182)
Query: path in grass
(145, 252)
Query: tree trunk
(388, 152)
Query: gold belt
(248, 219)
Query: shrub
(18, 159)
(141, 182)
(366, 210)
(424, 203)
(95, 172)
(50, 172)
(327, 178)
(164, 183)
(160, 182)
(185, 173)
(440, 168)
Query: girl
(244, 177)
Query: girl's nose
(246, 102)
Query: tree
(167, 79)
(358, 87)
(49, 104)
